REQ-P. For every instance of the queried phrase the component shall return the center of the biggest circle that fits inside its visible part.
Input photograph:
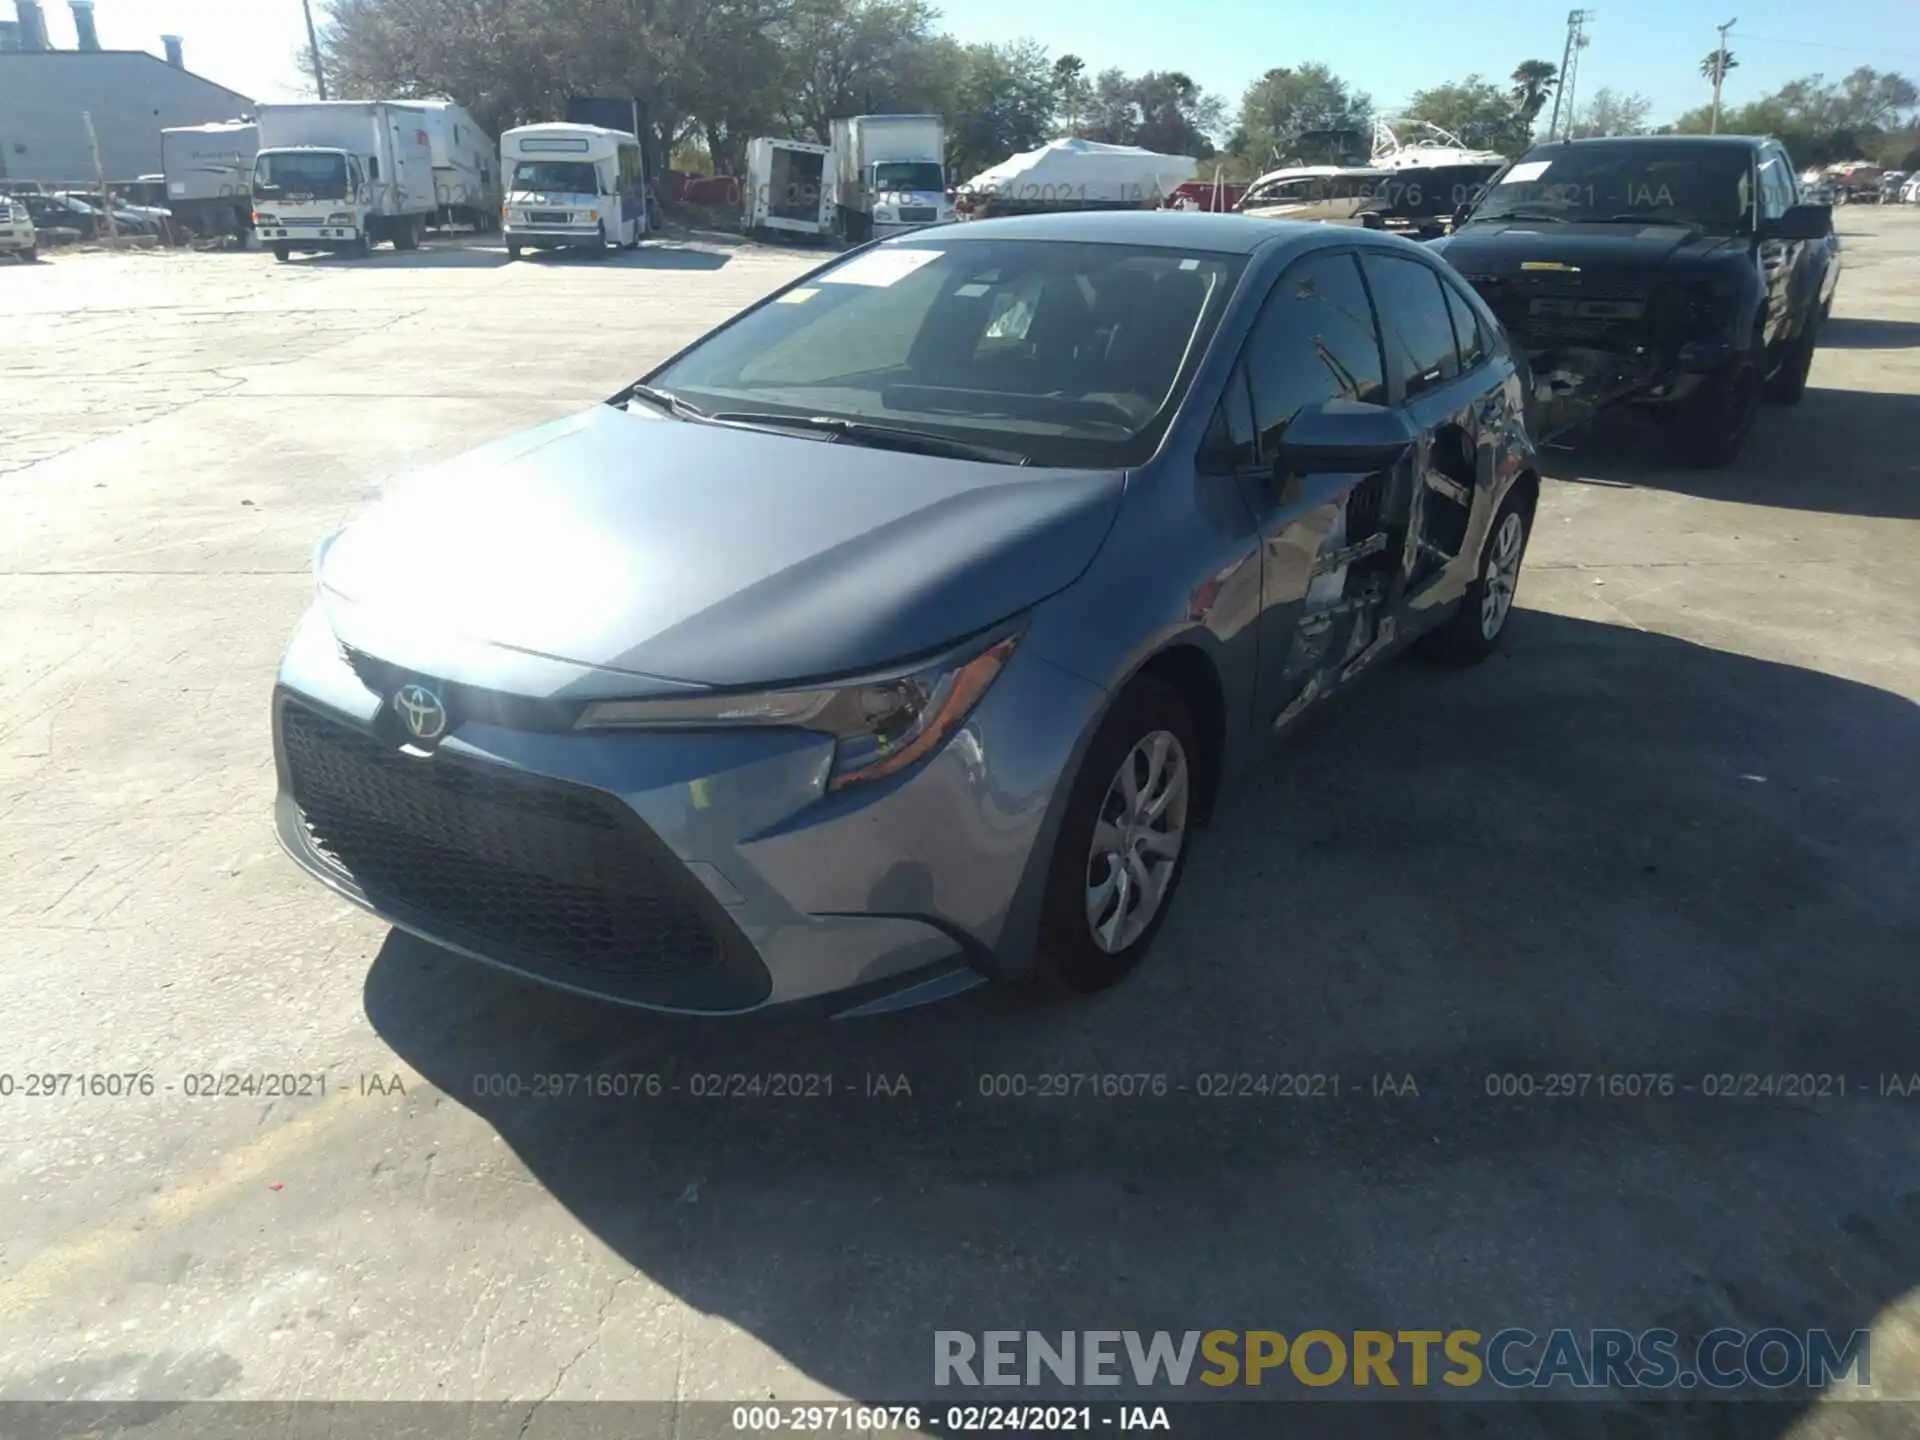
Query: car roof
(1594, 141)
(1156, 229)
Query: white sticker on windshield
(882, 267)
(798, 297)
(970, 291)
(1189, 264)
(1521, 174)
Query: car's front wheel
(1709, 429)
(1122, 844)
(1788, 384)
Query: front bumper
(316, 237)
(704, 873)
(522, 234)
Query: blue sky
(1389, 48)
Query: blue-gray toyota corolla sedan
(900, 632)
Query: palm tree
(1717, 64)
(1533, 82)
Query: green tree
(1607, 112)
(1534, 82)
(1003, 104)
(1717, 64)
(1163, 110)
(1285, 104)
(1071, 91)
(1475, 109)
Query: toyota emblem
(421, 711)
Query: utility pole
(1576, 21)
(100, 174)
(313, 50)
(1568, 84)
(1719, 74)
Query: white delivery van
(341, 175)
(572, 185)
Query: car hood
(1500, 248)
(687, 553)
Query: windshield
(908, 175)
(1709, 185)
(577, 177)
(1071, 354)
(321, 175)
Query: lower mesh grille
(522, 866)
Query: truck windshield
(1068, 353)
(322, 176)
(1709, 185)
(908, 175)
(573, 177)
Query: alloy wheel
(1502, 574)
(1137, 841)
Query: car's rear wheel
(1476, 627)
(1709, 429)
(1123, 842)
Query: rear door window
(1469, 334)
(1413, 320)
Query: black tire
(408, 236)
(1709, 429)
(283, 253)
(31, 254)
(1787, 384)
(513, 252)
(1478, 626)
(1069, 961)
(600, 244)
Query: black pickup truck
(1677, 271)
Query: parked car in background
(1679, 272)
(1910, 190)
(17, 235)
(899, 633)
(1891, 185)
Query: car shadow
(1603, 853)
(1854, 332)
(1790, 462)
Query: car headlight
(261, 218)
(880, 726)
(339, 217)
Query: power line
(1817, 45)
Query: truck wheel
(1710, 427)
(407, 237)
(31, 254)
(513, 252)
(1789, 383)
(283, 253)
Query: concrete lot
(1673, 829)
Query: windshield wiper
(880, 437)
(1641, 217)
(661, 399)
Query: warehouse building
(131, 95)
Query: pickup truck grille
(1557, 308)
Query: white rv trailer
(466, 166)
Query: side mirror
(1345, 437)
(1803, 222)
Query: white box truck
(208, 171)
(342, 175)
(466, 167)
(789, 188)
(890, 174)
